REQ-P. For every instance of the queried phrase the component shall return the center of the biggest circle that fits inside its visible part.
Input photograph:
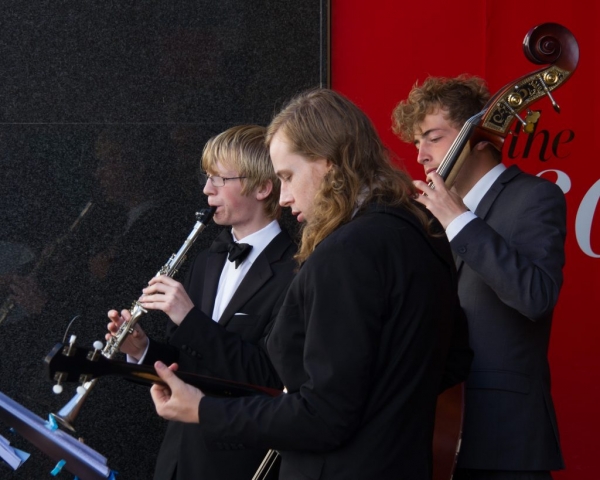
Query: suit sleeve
(237, 353)
(523, 265)
(218, 352)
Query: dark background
(111, 103)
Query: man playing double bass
(507, 231)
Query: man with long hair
(363, 337)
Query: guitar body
(447, 432)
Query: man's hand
(177, 400)
(135, 344)
(445, 204)
(168, 295)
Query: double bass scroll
(548, 43)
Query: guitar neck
(146, 374)
(73, 364)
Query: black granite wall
(111, 103)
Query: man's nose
(285, 197)
(209, 188)
(423, 155)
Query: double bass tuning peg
(550, 79)
(511, 99)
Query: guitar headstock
(68, 363)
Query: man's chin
(220, 219)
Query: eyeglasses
(215, 179)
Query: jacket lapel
(212, 274)
(256, 277)
(489, 198)
(458, 262)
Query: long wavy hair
(321, 124)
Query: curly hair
(323, 124)
(243, 149)
(460, 98)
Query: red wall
(381, 48)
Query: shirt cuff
(459, 223)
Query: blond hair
(242, 148)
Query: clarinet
(66, 416)
(170, 269)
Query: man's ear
(264, 190)
(481, 145)
(490, 149)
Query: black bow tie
(237, 251)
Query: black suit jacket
(223, 350)
(361, 343)
(510, 263)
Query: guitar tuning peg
(97, 350)
(81, 389)
(58, 388)
(69, 349)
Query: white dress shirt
(231, 277)
(472, 200)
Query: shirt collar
(478, 191)
(260, 239)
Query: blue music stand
(78, 458)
